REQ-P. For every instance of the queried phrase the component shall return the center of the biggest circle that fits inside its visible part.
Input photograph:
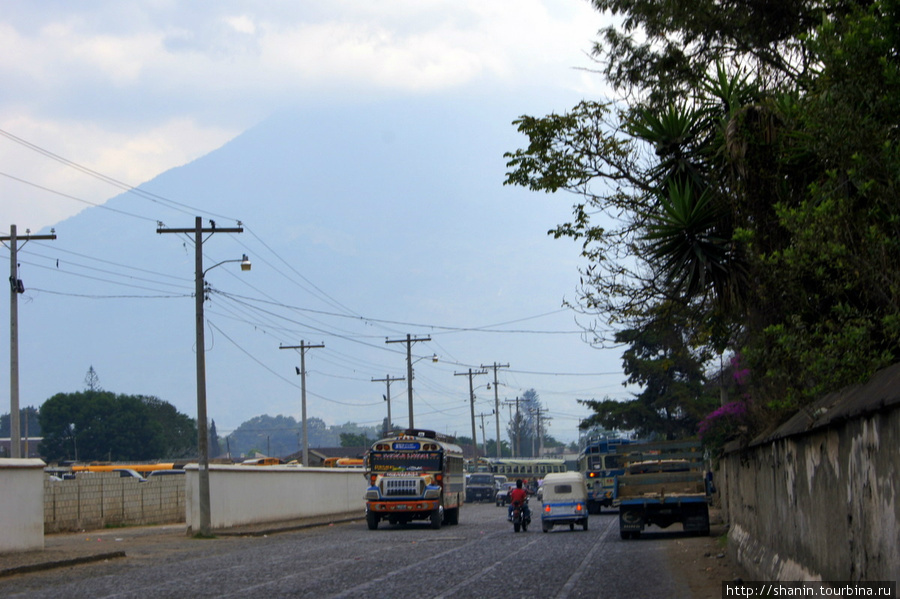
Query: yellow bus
(414, 475)
(143, 469)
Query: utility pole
(470, 374)
(16, 287)
(409, 371)
(302, 372)
(510, 403)
(539, 433)
(497, 400)
(483, 438)
(388, 379)
(199, 296)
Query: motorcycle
(521, 517)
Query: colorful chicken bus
(600, 462)
(414, 475)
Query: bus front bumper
(400, 507)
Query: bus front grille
(402, 486)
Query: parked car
(502, 497)
(164, 473)
(130, 473)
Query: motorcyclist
(518, 496)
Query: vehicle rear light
(578, 507)
(547, 509)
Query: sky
(130, 91)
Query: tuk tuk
(564, 501)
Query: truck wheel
(436, 518)
(372, 520)
(453, 516)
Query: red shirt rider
(519, 494)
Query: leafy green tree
(674, 396)
(177, 431)
(751, 177)
(355, 440)
(100, 425)
(33, 423)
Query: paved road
(481, 557)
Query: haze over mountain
(364, 221)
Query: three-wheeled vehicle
(565, 501)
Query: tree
(28, 420)
(215, 448)
(523, 428)
(354, 440)
(91, 380)
(100, 425)
(674, 396)
(751, 178)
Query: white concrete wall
(242, 495)
(22, 501)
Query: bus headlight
(432, 492)
(372, 494)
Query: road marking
(451, 591)
(587, 562)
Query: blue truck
(663, 484)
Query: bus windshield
(404, 462)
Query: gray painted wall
(817, 500)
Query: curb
(60, 563)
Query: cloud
(128, 88)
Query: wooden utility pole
(16, 287)
(483, 438)
(510, 403)
(302, 372)
(388, 379)
(199, 325)
(409, 370)
(497, 400)
(470, 374)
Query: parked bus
(143, 469)
(414, 475)
(600, 462)
(527, 468)
(478, 465)
(343, 463)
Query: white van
(564, 501)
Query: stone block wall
(102, 499)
